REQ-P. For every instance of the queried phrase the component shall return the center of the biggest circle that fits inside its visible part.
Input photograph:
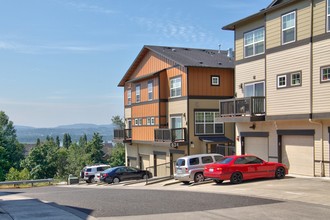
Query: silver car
(190, 168)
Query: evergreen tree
(11, 151)
(67, 140)
(83, 140)
(118, 121)
(94, 148)
(117, 157)
(58, 142)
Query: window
(148, 121)
(176, 122)
(175, 87)
(152, 121)
(129, 97)
(281, 81)
(289, 27)
(150, 88)
(136, 122)
(254, 89)
(140, 121)
(254, 42)
(205, 123)
(137, 93)
(215, 80)
(194, 161)
(295, 79)
(207, 159)
(325, 74)
(328, 20)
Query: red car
(243, 167)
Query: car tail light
(105, 175)
(187, 170)
(86, 173)
(219, 169)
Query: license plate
(179, 170)
(211, 169)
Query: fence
(20, 182)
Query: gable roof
(185, 57)
(276, 4)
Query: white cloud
(90, 8)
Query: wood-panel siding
(321, 100)
(249, 72)
(200, 82)
(143, 133)
(145, 110)
(292, 100)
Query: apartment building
(282, 85)
(171, 98)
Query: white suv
(90, 171)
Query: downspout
(322, 173)
(187, 124)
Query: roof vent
(201, 62)
(220, 63)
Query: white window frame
(148, 120)
(278, 81)
(254, 42)
(175, 87)
(150, 90)
(328, 16)
(327, 68)
(295, 84)
(136, 122)
(129, 97)
(138, 93)
(254, 88)
(152, 121)
(205, 123)
(140, 121)
(288, 28)
(215, 80)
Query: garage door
(257, 146)
(297, 154)
(145, 161)
(161, 166)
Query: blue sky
(61, 60)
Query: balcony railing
(170, 135)
(251, 106)
(122, 135)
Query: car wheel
(199, 177)
(280, 173)
(116, 180)
(218, 181)
(236, 177)
(185, 182)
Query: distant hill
(28, 135)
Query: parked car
(190, 168)
(90, 171)
(244, 167)
(122, 173)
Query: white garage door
(297, 154)
(145, 161)
(257, 146)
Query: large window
(288, 80)
(175, 87)
(129, 97)
(325, 74)
(150, 90)
(254, 42)
(176, 122)
(205, 123)
(289, 27)
(254, 89)
(328, 12)
(138, 93)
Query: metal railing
(170, 135)
(124, 134)
(250, 106)
(20, 182)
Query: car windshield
(109, 170)
(225, 160)
(180, 162)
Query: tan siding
(274, 23)
(200, 82)
(319, 17)
(239, 44)
(245, 74)
(321, 101)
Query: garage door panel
(257, 146)
(297, 154)
(161, 166)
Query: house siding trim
(287, 117)
(159, 153)
(304, 132)
(254, 134)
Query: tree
(83, 140)
(94, 148)
(11, 150)
(67, 140)
(117, 157)
(58, 142)
(117, 120)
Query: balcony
(178, 135)
(122, 135)
(243, 109)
